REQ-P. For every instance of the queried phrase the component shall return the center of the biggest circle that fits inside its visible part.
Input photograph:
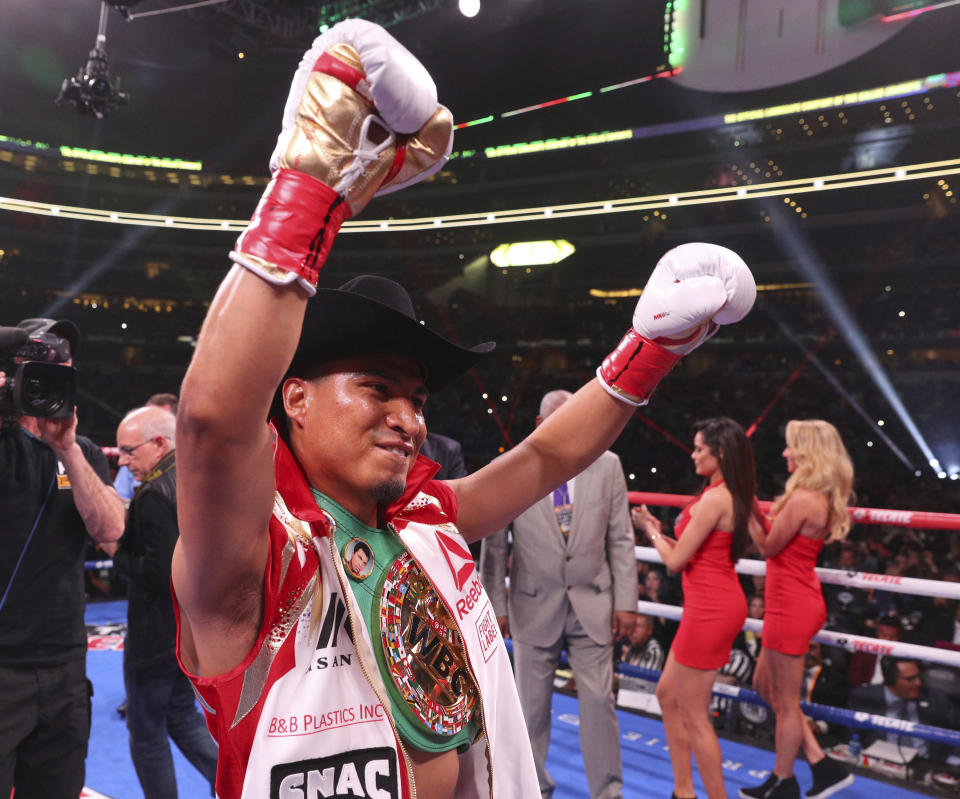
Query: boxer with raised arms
(393, 681)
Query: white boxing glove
(693, 289)
(361, 119)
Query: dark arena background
(819, 139)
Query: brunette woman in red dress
(811, 510)
(711, 533)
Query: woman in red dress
(811, 510)
(711, 533)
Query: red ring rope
(927, 520)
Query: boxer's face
(357, 428)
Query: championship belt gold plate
(422, 649)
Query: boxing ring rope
(926, 520)
(851, 579)
(847, 641)
(836, 715)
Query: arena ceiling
(191, 97)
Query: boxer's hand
(693, 290)
(361, 119)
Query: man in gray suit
(573, 586)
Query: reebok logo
(362, 773)
(465, 605)
(458, 559)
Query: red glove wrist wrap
(294, 224)
(634, 368)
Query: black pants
(44, 729)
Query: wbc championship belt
(419, 652)
(422, 650)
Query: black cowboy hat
(63, 328)
(371, 315)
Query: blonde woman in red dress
(811, 510)
(711, 533)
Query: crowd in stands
(552, 337)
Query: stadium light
(532, 253)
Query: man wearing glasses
(124, 481)
(160, 701)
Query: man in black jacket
(54, 492)
(160, 700)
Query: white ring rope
(847, 641)
(852, 579)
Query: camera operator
(54, 491)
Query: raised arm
(224, 452)
(356, 92)
(568, 441)
(693, 289)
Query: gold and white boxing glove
(361, 119)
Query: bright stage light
(532, 253)
(469, 8)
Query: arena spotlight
(796, 246)
(90, 90)
(469, 8)
(531, 253)
(789, 333)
